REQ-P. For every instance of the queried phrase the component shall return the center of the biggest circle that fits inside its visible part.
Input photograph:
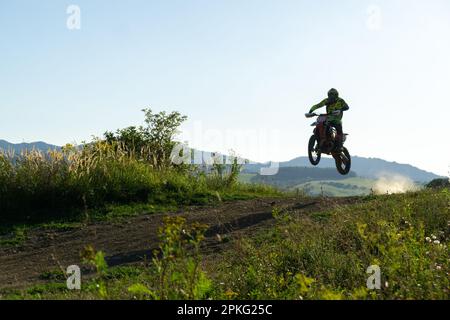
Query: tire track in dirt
(132, 239)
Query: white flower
(433, 237)
(428, 239)
(436, 242)
(386, 284)
(438, 267)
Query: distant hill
(17, 148)
(288, 177)
(371, 168)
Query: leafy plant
(97, 260)
(178, 261)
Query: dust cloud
(390, 184)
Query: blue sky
(244, 72)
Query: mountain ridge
(17, 147)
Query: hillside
(288, 177)
(348, 187)
(322, 182)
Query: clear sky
(243, 71)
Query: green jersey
(340, 104)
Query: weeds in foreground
(322, 256)
(178, 263)
(97, 260)
(314, 255)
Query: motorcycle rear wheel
(343, 162)
(313, 155)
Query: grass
(13, 236)
(102, 181)
(37, 186)
(320, 255)
(325, 255)
(15, 233)
(246, 177)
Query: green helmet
(333, 94)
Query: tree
(154, 141)
(159, 134)
(439, 183)
(131, 138)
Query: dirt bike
(324, 141)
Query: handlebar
(310, 115)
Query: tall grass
(35, 184)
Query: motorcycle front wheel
(343, 161)
(313, 155)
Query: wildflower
(428, 239)
(433, 237)
(386, 284)
(436, 242)
(438, 267)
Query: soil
(131, 240)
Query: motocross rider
(335, 107)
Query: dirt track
(132, 240)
